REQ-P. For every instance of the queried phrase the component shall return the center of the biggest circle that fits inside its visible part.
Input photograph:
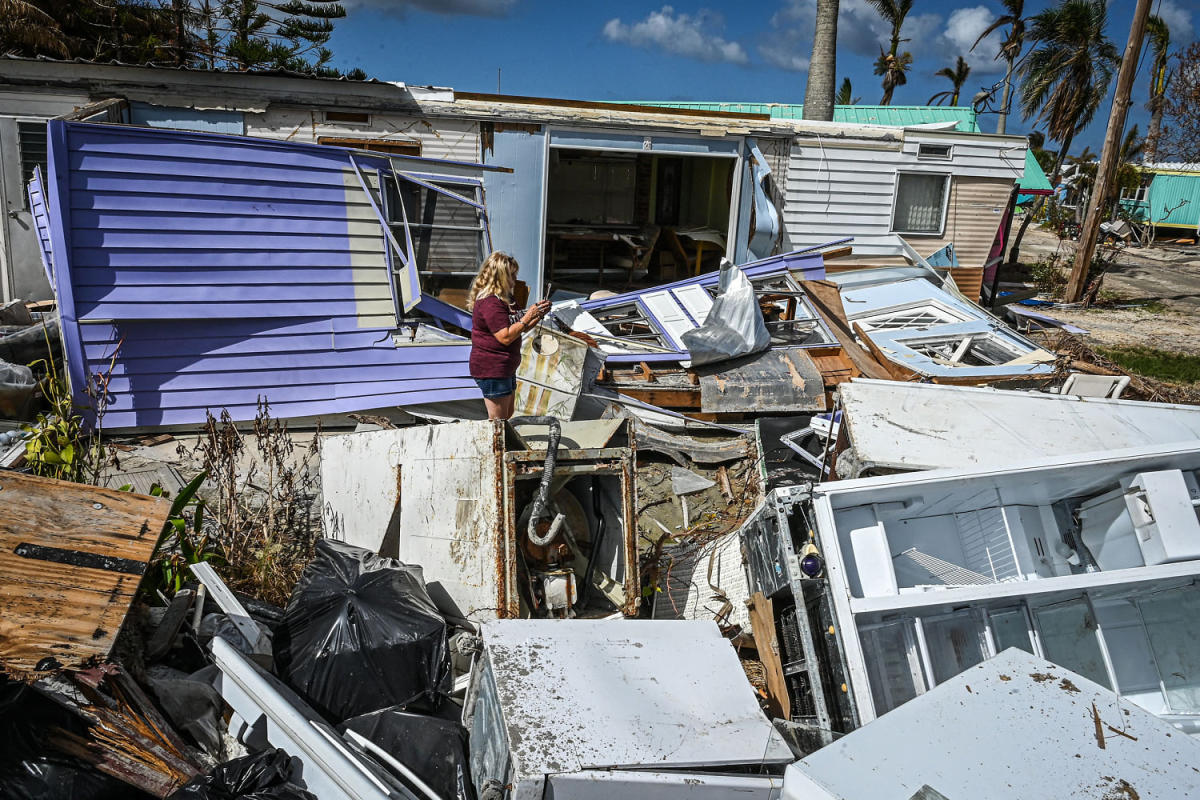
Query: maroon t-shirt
(489, 358)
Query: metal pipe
(542, 499)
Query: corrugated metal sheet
(864, 115)
(217, 270)
(1174, 200)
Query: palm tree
(892, 64)
(957, 76)
(1065, 77)
(822, 67)
(845, 95)
(1010, 50)
(1160, 41)
(28, 30)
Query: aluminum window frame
(901, 174)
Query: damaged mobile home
(600, 194)
(762, 517)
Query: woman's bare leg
(510, 405)
(496, 408)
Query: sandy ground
(1168, 274)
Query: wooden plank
(71, 559)
(762, 622)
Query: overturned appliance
(601, 708)
(503, 524)
(892, 425)
(974, 740)
(1090, 561)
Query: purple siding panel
(212, 270)
(41, 221)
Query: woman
(496, 328)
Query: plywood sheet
(71, 559)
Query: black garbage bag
(434, 749)
(57, 778)
(260, 776)
(360, 634)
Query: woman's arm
(507, 336)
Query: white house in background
(594, 186)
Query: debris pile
(753, 531)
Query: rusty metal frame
(619, 462)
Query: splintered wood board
(71, 559)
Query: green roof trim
(1035, 179)
(861, 115)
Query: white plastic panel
(670, 315)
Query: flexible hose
(542, 498)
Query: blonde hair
(497, 276)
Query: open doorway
(618, 220)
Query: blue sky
(714, 50)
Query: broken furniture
(457, 499)
(71, 559)
(1013, 727)
(1088, 560)
(598, 708)
(1081, 384)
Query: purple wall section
(211, 270)
(41, 221)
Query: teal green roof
(1035, 179)
(863, 115)
(1174, 200)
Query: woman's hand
(536, 313)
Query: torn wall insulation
(212, 271)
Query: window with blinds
(31, 139)
(920, 205)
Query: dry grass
(262, 502)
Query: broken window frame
(963, 345)
(639, 313)
(921, 315)
(404, 278)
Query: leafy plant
(183, 541)
(59, 446)
(1048, 275)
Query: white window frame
(945, 176)
(934, 157)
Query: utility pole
(1108, 156)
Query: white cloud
(963, 28)
(474, 8)
(681, 34)
(1178, 19)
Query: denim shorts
(495, 388)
